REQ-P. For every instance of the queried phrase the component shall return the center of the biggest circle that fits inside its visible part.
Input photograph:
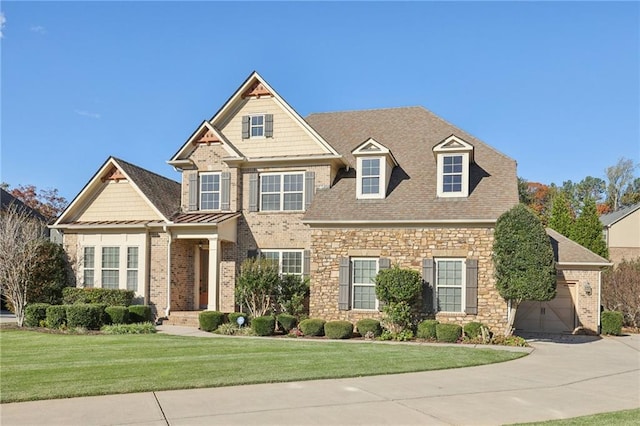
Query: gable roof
(7, 200)
(613, 217)
(568, 252)
(410, 133)
(162, 194)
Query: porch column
(214, 249)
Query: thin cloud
(38, 29)
(2, 21)
(87, 113)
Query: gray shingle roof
(410, 133)
(7, 200)
(611, 218)
(568, 251)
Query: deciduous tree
(621, 290)
(619, 177)
(47, 202)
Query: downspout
(168, 308)
(599, 300)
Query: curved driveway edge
(557, 380)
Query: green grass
(617, 418)
(37, 365)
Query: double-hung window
(132, 268)
(210, 191)
(289, 261)
(364, 271)
(110, 267)
(282, 192)
(370, 176)
(452, 173)
(256, 126)
(89, 263)
(450, 285)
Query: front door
(204, 278)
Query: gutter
(401, 222)
(599, 264)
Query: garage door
(555, 316)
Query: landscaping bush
(233, 318)
(427, 329)
(448, 333)
(140, 313)
(34, 313)
(56, 316)
(86, 315)
(369, 325)
(338, 329)
(399, 290)
(472, 329)
(210, 320)
(227, 329)
(111, 297)
(612, 322)
(117, 314)
(139, 328)
(264, 326)
(287, 322)
(312, 327)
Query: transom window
(256, 126)
(282, 191)
(370, 175)
(450, 285)
(363, 272)
(132, 268)
(210, 191)
(89, 261)
(452, 173)
(289, 262)
(110, 267)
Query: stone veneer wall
(182, 275)
(406, 247)
(587, 307)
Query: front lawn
(37, 365)
(621, 418)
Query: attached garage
(555, 316)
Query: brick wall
(616, 254)
(227, 276)
(158, 272)
(182, 275)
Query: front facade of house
(335, 197)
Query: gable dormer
(374, 164)
(453, 157)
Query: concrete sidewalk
(564, 378)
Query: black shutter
(428, 285)
(268, 125)
(253, 192)
(193, 191)
(471, 300)
(225, 191)
(309, 188)
(306, 263)
(252, 254)
(383, 263)
(245, 127)
(344, 291)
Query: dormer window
(371, 176)
(373, 169)
(453, 157)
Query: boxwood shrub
(312, 327)
(369, 325)
(34, 313)
(264, 326)
(112, 297)
(56, 316)
(472, 329)
(233, 318)
(117, 314)
(87, 315)
(338, 329)
(427, 329)
(140, 313)
(448, 333)
(611, 322)
(210, 320)
(287, 322)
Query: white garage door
(555, 316)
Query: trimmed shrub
(427, 329)
(34, 313)
(338, 329)
(312, 327)
(117, 314)
(140, 313)
(86, 315)
(612, 322)
(448, 333)
(111, 297)
(233, 318)
(139, 328)
(56, 316)
(287, 322)
(472, 329)
(369, 325)
(210, 320)
(264, 326)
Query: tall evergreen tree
(561, 218)
(587, 230)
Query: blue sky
(555, 86)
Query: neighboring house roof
(6, 200)
(411, 134)
(568, 252)
(610, 218)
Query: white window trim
(263, 126)
(465, 175)
(382, 182)
(463, 301)
(136, 269)
(200, 192)
(85, 268)
(122, 265)
(282, 192)
(104, 268)
(352, 283)
(280, 252)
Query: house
(622, 233)
(333, 196)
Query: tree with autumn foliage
(48, 202)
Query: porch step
(183, 318)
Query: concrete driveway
(561, 378)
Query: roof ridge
(366, 110)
